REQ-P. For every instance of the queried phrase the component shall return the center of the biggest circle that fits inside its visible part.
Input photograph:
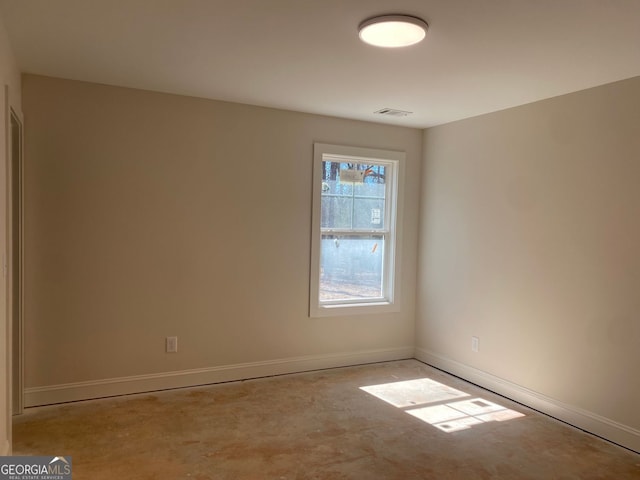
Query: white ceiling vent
(392, 112)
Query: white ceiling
(479, 55)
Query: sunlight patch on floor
(410, 393)
(444, 407)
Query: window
(354, 230)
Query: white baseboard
(603, 427)
(70, 392)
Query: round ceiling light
(393, 30)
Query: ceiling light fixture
(393, 31)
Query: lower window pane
(351, 267)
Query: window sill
(348, 309)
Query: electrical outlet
(172, 344)
(475, 344)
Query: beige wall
(530, 240)
(9, 76)
(152, 215)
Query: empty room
(320, 239)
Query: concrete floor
(410, 422)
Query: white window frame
(390, 301)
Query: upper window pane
(353, 196)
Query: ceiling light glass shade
(393, 31)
